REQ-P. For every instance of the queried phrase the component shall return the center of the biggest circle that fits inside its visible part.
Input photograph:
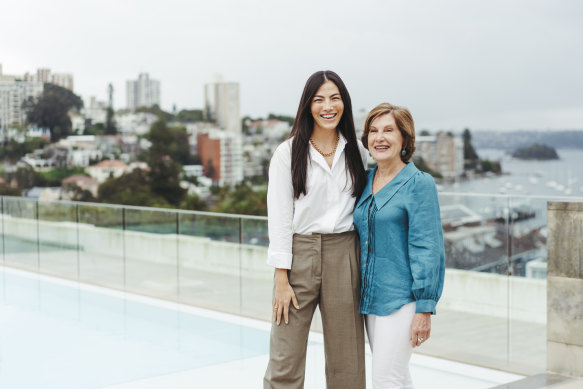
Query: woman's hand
(420, 328)
(283, 295)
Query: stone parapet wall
(565, 288)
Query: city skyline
(494, 65)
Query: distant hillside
(511, 140)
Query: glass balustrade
(492, 312)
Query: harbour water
(554, 178)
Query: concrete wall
(565, 288)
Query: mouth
(329, 116)
(381, 148)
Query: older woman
(402, 255)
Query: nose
(327, 104)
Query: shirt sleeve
(280, 208)
(425, 241)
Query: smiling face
(327, 107)
(385, 141)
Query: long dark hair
(302, 131)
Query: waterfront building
(143, 92)
(442, 152)
(221, 104)
(220, 153)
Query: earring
(369, 154)
(404, 152)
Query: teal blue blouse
(401, 241)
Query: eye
(318, 100)
(373, 130)
(336, 98)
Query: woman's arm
(280, 206)
(425, 243)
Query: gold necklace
(330, 153)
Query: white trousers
(391, 348)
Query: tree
(51, 110)
(469, 152)
(189, 115)
(130, 189)
(194, 203)
(165, 173)
(162, 115)
(110, 127)
(242, 200)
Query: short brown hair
(404, 121)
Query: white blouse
(326, 207)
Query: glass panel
(151, 252)
(256, 274)
(472, 316)
(20, 233)
(57, 229)
(528, 297)
(210, 273)
(101, 245)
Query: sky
(484, 65)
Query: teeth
(328, 116)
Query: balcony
(493, 313)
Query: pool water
(68, 335)
(55, 336)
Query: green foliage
(95, 129)
(424, 133)
(194, 203)
(242, 200)
(189, 115)
(51, 110)
(469, 152)
(55, 176)
(79, 194)
(130, 189)
(110, 127)
(536, 151)
(179, 149)
(26, 178)
(165, 172)
(6, 190)
(486, 166)
(162, 115)
(421, 165)
(12, 151)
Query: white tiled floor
(427, 372)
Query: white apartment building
(442, 152)
(44, 75)
(13, 92)
(95, 111)
(143, 92)
(221, 104)
(138, 123)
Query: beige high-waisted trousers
(325, 271)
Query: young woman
(401, 242)
(315, 178)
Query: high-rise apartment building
(44, 75)
(143, 92)
(13, 92)
(221, 104)
(442, 152)
(220, 153)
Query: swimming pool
(62, 334)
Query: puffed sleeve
(280, 208)
(425, 241)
